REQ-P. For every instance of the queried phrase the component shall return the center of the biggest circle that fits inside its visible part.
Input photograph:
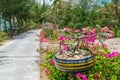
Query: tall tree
(15, 9)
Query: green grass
(3, 36)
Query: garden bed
(104, 56)
(43, 75)
(113, 45)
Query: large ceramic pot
(74, 65)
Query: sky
(41, 1)
(101, 3)
(48, 1)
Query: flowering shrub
(68, 29)
(52, 62)
(54, 34)
(43, 40)
(81, 76)
(46, 36)
(42, 34)
(49, 33)
(62, 42)
(92, 35)
(88, 37)
(51, 71)
(107, 65)
(105, 68)
(107, 30)
(77, 31)
(111, 55)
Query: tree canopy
(65, 13)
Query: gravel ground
(113, 44)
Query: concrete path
(19, 58)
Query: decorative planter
(74, 65)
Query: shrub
(106, 66)
(3, 36)
(105, 69)
(51, 71)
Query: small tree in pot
(78, 56)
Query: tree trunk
(22, 23)
(5, 25)
(11, 34)
(13, 21)
(18, 22)
(4, 17)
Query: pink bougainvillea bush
(46, 37)
(86, 38)
(81, 76)
(107, 64)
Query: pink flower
(111, 35)
(77, 30)
(59, 51)
(106, 28)
(104, 46)
(84, 78)
(84, 30)
(93, 30)
(111, 32)
(61, 38)
(68, 29)
(52, 62)
(50, 72)
(101, 30)
(64, 47)
(81, 76)
(105, 55)
(111, 55)
(89, 46)
(68, 38)
(46, 71)
(43, 40)
(96, 44)
(38, 35)
(90, 37)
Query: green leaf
(113, 77)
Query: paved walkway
(19, 58)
